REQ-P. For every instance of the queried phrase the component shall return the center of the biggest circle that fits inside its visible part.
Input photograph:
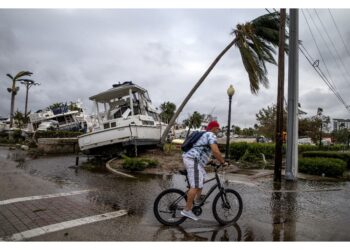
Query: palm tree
(194, 121)
(256, 41)
(15, 89)
(168, 110)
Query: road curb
(117, 172)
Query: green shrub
(329, 154)
(17, 135)
(268, 149)
(318, 166)
(250, 157)
(138, 164)
(237, 150)
(304, 148)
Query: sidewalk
(30, 203)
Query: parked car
(305, 141)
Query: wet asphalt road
(303, 211)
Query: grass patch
(138, 164)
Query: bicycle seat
(183, 172)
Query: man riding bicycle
(195, 160)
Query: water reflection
(284, 210)
(230, 232)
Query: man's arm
(216, 152)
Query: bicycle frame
(211, 190)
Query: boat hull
(127, 135)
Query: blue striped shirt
(201, 149)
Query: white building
(341, 123)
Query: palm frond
(23, 73)
(254, 67)
(9, 75)
(257, 42)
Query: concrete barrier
(58, 145)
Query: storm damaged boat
(126, 119)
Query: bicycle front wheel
(227, 206)
(168, 205)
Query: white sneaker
(189, 214)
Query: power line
(341, 37)
(318, 48)
(318, 70)
(335, 48)
(324, 78)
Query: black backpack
(191, 140)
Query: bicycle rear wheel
(227, 206)
(168, 205)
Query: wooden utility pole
(280, 97)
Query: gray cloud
(78, 53)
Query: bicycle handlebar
(216, 165)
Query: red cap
(213, 124)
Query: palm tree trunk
(280, 96)
(193, 90)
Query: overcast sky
(78, 53)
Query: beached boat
(128, 120)
(59, 118)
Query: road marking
(39, 197)
(63, 225)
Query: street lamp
(28, 83)
(230, 93)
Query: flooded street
(301, 211)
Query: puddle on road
(272, 212)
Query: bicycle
(169, 203)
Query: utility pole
(293, 96)
(280, 97)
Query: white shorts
(195, 173)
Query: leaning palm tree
(256, 41)
(15, 89)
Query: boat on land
(59, 118)
(125, 120)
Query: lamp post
(230, 93)
(28, 83)
(319, 114)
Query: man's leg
(202, 176)
(195, 186)
(191, 194)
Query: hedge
(317, 166)
(328, 154)
(238, 149)
(305, 148)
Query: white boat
(65, 118)
(2, 126)
(128, 119)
